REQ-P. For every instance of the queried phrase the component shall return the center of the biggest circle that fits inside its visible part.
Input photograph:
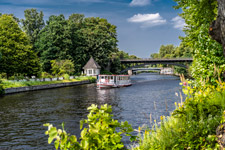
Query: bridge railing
(157, 59)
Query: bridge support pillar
(130, 72)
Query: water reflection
(22, 115)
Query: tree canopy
(54, 41)
(17, 56)
(171, 51)
(32, 24)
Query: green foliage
(32, 24)
(66, 76)
(60, 67)
(171, 51)
(106, 72)
(46, 75)
(95, 37)
(193, 124)
(54, 41)
(198, 16)
(17, 56)
(1, 88)
(100, 132)
(180, 70)
(17, 77)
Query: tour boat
(109, 81)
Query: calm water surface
(22, 115)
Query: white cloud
(178, 22)
(139, 2)
(147, 20)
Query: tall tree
(54, 41)
(32, 24)
(96, 37)
(17, 56)
(167, 51)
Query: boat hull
(111, 86)
(113, 81)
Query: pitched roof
(91, 64)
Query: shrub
(66, 76)
(100, 132)
(106, 72)
(46, 75)
(92, 79)
(1, 88)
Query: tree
(155, 55)
(167, 51)
(207, 53)
(183, 51)
(17, 56)
(54, 41)
(32, 24)
(60, 67)
(96, 37)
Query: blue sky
(142, 25)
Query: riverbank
(10, 87)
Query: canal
(22, 115)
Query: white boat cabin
(113, 80)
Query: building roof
(91, 64)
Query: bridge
(156, 61)
(146, 69)
(142, 61)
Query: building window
(94, 71)
(89, 71)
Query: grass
(14, 84)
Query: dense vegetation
(194, 123)
(171, 51)
(101, 132)
(208, 53)
(17, 56)
(31, 46)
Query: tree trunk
(217, 29)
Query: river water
(22, 115)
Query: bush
(17, 77)
(106, 72)
(2, 91)
(46, 75)
(100, 132)
(66, 76)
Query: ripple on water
(22, 115)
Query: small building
(92, 68)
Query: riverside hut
(92, 68)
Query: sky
(142, 25)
